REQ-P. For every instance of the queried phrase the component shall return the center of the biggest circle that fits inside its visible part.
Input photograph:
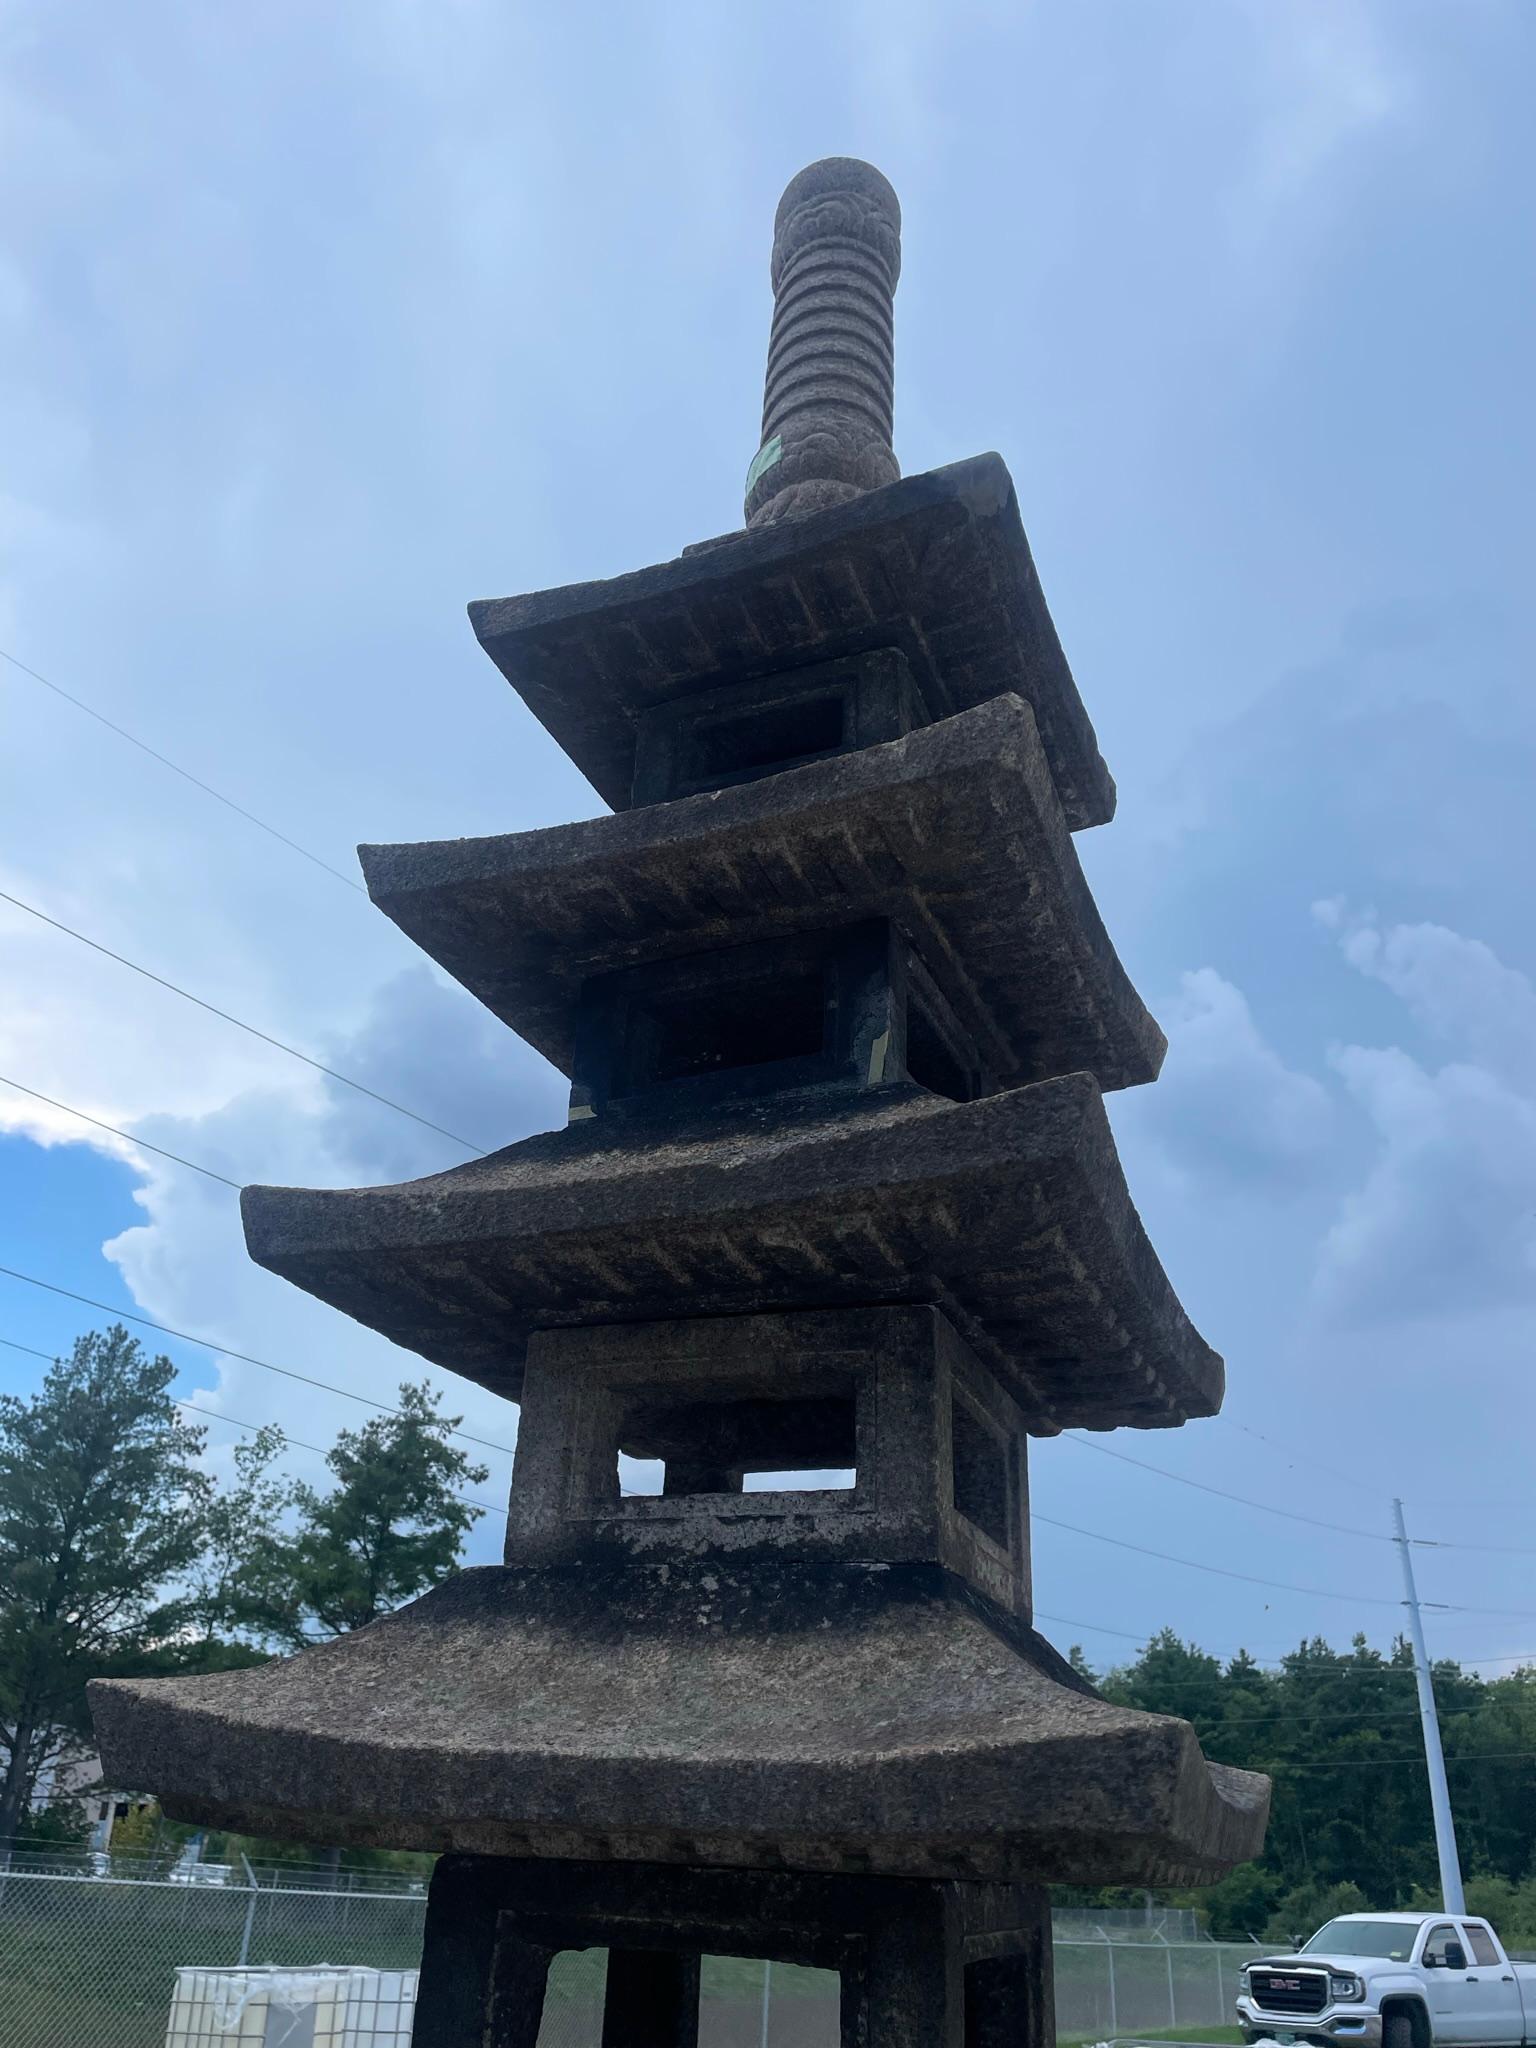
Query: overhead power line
(240, 1024)
(127, 1136)
(1087, 1443)
(1242, 1499)
(1338, 1666)
(255, 1428)
(1143, 1636)
(30, 1349)
(488, 1507)
(1307, 1462)
(1342, 1668)
(1331, 1668)
(1236, 1724)
(1196, 1564)
(129, 1315)
(1296, 1461)
(176, 769)
(1371, 1763)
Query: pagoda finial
(829, 391)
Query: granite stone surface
(936, 565)
(953, 832)
(830, 390)
(1010, 1213)
(936, 1450)
(923, 1964)
(872, 1718)
(837, 1195)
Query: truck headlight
(1347, 1989)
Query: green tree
(1242, 1902)
(61, 1824)
(243, 1589)
(1170, 1677)
(102, 1510)
(391, 1527)
(1350, 1824)
(1301, 1912)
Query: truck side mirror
(1455, 1956)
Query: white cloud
(423, 1042)
(428, 1045)
(1226, 1100)
(1456, 987)
(1445, 1220)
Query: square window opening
(764, 740)
(712, 1030)
(638, 1476)
(744, 1444)
(682, 1478)
(979, 1474)
(836, 1480)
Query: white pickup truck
(1393, 1980)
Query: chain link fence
(1107, 1990)
(92, 1961)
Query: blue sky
(318, 323)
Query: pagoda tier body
(837, 1193)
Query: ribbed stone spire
(828, 396)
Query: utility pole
(1434, 1756)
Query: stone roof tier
(1011, 1213)
(952, 832)
(936, 566)
(878, 1719)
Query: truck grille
(1290, 1991)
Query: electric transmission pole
(1434, 1756)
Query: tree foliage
(118, 1556)
(391, 1527)
(59, 1825)
(242, 1581)
(102, 1504)
(1350, 1828)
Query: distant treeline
(1350, 1829)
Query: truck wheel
(1397, 2031)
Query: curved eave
(833, 1719)
(937, 565)
(1010, 1212)
(954, 833)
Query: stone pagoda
(837, 1196)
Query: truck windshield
(1388, 1938)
